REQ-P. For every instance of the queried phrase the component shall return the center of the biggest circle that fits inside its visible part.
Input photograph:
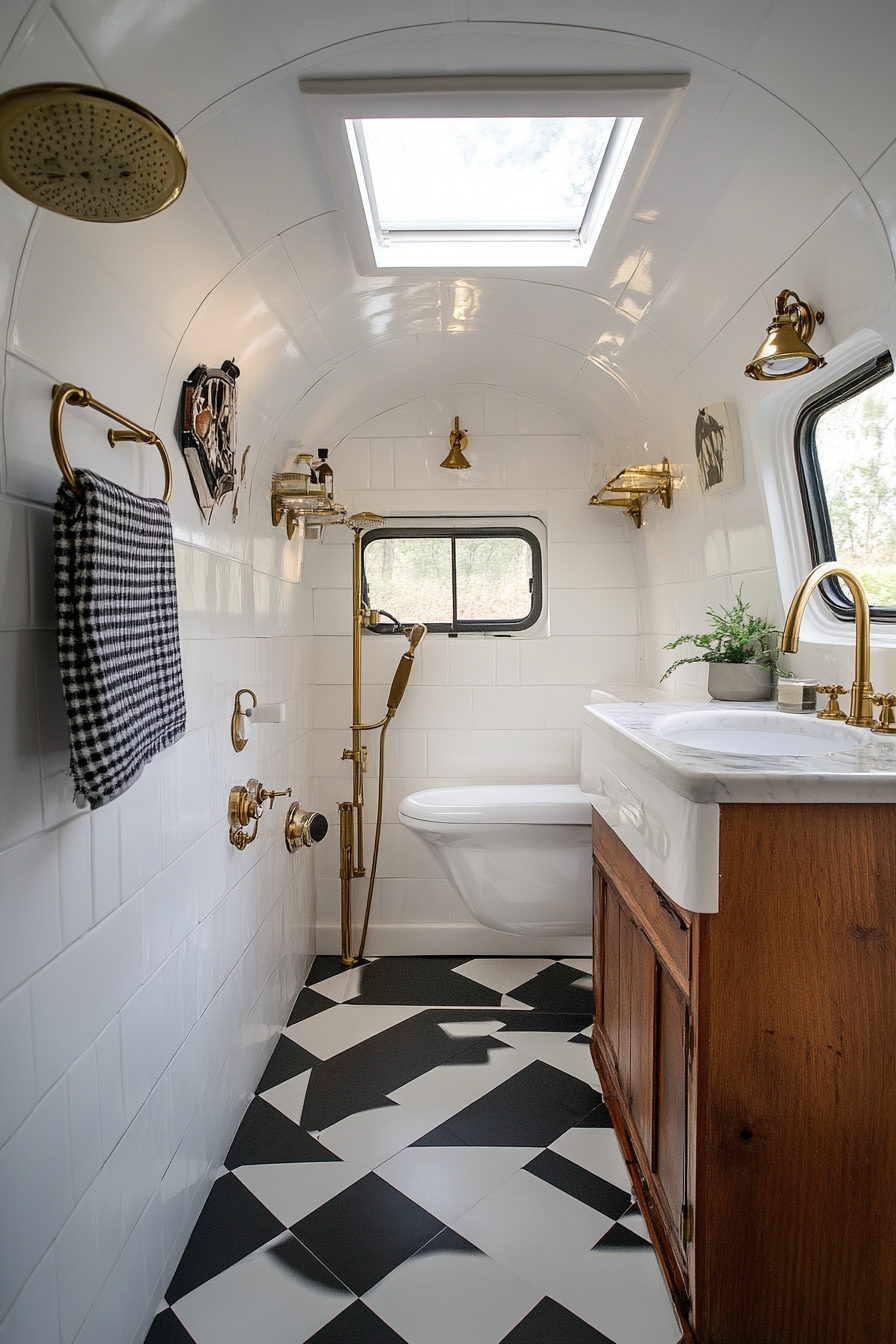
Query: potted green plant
(741, 651)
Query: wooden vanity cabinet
(748, 1059)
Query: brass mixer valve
(887, 721)
(246, 805)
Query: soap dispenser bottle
(324, 473)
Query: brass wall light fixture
(88, 153)
(785, 352)
(630, 487)
(455, 461)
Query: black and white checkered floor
(427, 1159)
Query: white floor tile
(553, 1048)
(508, 1002)
(447, 1089)
(261, 1299)
(448, 1181)
(345, 985)
(461, 1029)
(621, 1291)
(451, 1298)
(292, 1190)
(502, 974)
(370, 1137)
(584, 964)
(634, 1221)
(289, 1097)
(344, 1025)
(586, 982)
(597, 1150)
(533, 1229)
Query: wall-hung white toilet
(519, 855)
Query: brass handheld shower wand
(351, 825)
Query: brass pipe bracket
(246, 806)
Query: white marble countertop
(863, 773)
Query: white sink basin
(757, 733)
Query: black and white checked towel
(119, 648)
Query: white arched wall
(145, 965)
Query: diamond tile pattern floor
(427, 1160)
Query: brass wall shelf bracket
(630, 487)
(290, 497)
(67, 394)
(246, 805)
(238, 725)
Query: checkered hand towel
(119, 649)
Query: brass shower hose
(376, 833)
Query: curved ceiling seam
(30, 20)
(77, 44)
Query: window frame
(813, 497)
(454, 531)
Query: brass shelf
(315, 507)
(629, 488)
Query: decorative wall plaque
(208, 432)
(717, 444)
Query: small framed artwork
(720, 460)
(208, 432)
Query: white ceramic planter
(739, 681)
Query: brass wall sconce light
(630, 487)
(785, 352)
(455, 461)
(246, 805)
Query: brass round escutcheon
(303, 827)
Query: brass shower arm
(79, 396)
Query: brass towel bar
(79, 396)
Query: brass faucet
(860, 710)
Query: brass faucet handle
(832, 709)
(264, 795)
(887, 721)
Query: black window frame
(453, 532)
(811, 483)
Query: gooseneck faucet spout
(860, 708)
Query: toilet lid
(521, 804)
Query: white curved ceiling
(788, 106)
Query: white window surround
(651, 99)
(775, 426)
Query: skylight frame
(643, 104)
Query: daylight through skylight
(481, 173)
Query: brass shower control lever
(246, 805)
(304, 827)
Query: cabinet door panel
(670, 1153)
(642, 1014)
(611, 1008)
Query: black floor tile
(356, 1325)
(308, 1004)
(521, 1020)
(358, 1079)
(324, 968)
(549, 1323)
(554, 990)
(439, 1138)
(266, 1135)
(599, 1118)
(622, 1239)
(530, 1110)
(287, 1060)
(427, 981)
(231, 1225)
(365, 1232)
(581, 1184)
(167, 1329)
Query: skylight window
(454, 173)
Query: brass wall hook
(236, 719)
(246, 805)
(455, 461)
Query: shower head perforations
(87, 153)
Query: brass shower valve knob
(832, 709)
(246, 805)
(887, 721)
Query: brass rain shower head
(87, 153)
(361, 521)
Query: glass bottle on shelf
(324, 474)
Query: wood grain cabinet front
(748, 1059)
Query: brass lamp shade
(785, 352)
(455, 461)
